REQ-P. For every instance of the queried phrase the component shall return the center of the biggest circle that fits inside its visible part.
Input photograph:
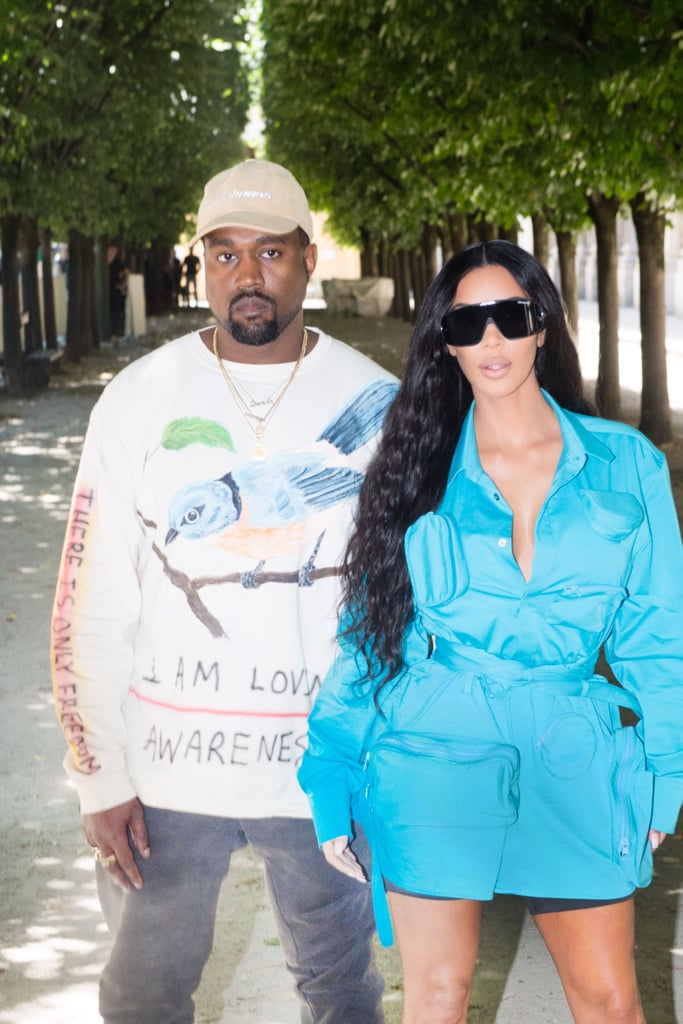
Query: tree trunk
(80, 319)
(481, 229)
(418, 278)
(136, 259)
(33, 330)
(455, 235)
(101, 272)
(90, 303)
(566, 251)
(655, 411)
(429, 239)
(393, 271)
(603, 212)
(13, 359)
(540, 231)
(401, 277)
(368, 255)
(404, 271)
(48, 290)
(384, 261)
(158, 271)
(510, 234)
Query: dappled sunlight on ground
(71, 1003)
(54, 941)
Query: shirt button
(496, 497)
(502, 543)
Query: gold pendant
(260, 450)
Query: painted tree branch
(190, 587)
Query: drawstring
(380, 904)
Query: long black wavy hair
(407, 477)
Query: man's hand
(109, 832)
(339, 854)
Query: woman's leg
(438, 942)
(593, 951)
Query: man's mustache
(251, 293)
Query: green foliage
(397, 114)
(114, 115)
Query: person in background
(176, 281)
(504, 537)
(191, 267)
(195, 616)
(118, 289)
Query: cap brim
(244, 219)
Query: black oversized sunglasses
(514, 318)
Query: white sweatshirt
(177, 679)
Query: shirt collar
(580, 443)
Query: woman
(504, 538)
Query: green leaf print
(195, 430)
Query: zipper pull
(366, 765)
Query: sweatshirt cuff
(99, 791)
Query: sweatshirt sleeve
(332, 767)
(95, 614)
(645, 647)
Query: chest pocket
(614, 515)
(602, 534)
(436, 562)
(585, 610)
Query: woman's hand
(656, 838)
(339, 854)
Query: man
(191, 266)
(195, 617)
(118, 289)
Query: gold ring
(101, 859)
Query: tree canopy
(114, 114)
(413, 122)
(409, 111)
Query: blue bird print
(267, 507)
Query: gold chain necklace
(257, 423)
(255, 403)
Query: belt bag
(427, 800)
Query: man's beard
(255, 334)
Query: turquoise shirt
(607, 573)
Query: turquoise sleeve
(332, 767)
(645, 647)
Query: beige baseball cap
(254, 194)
